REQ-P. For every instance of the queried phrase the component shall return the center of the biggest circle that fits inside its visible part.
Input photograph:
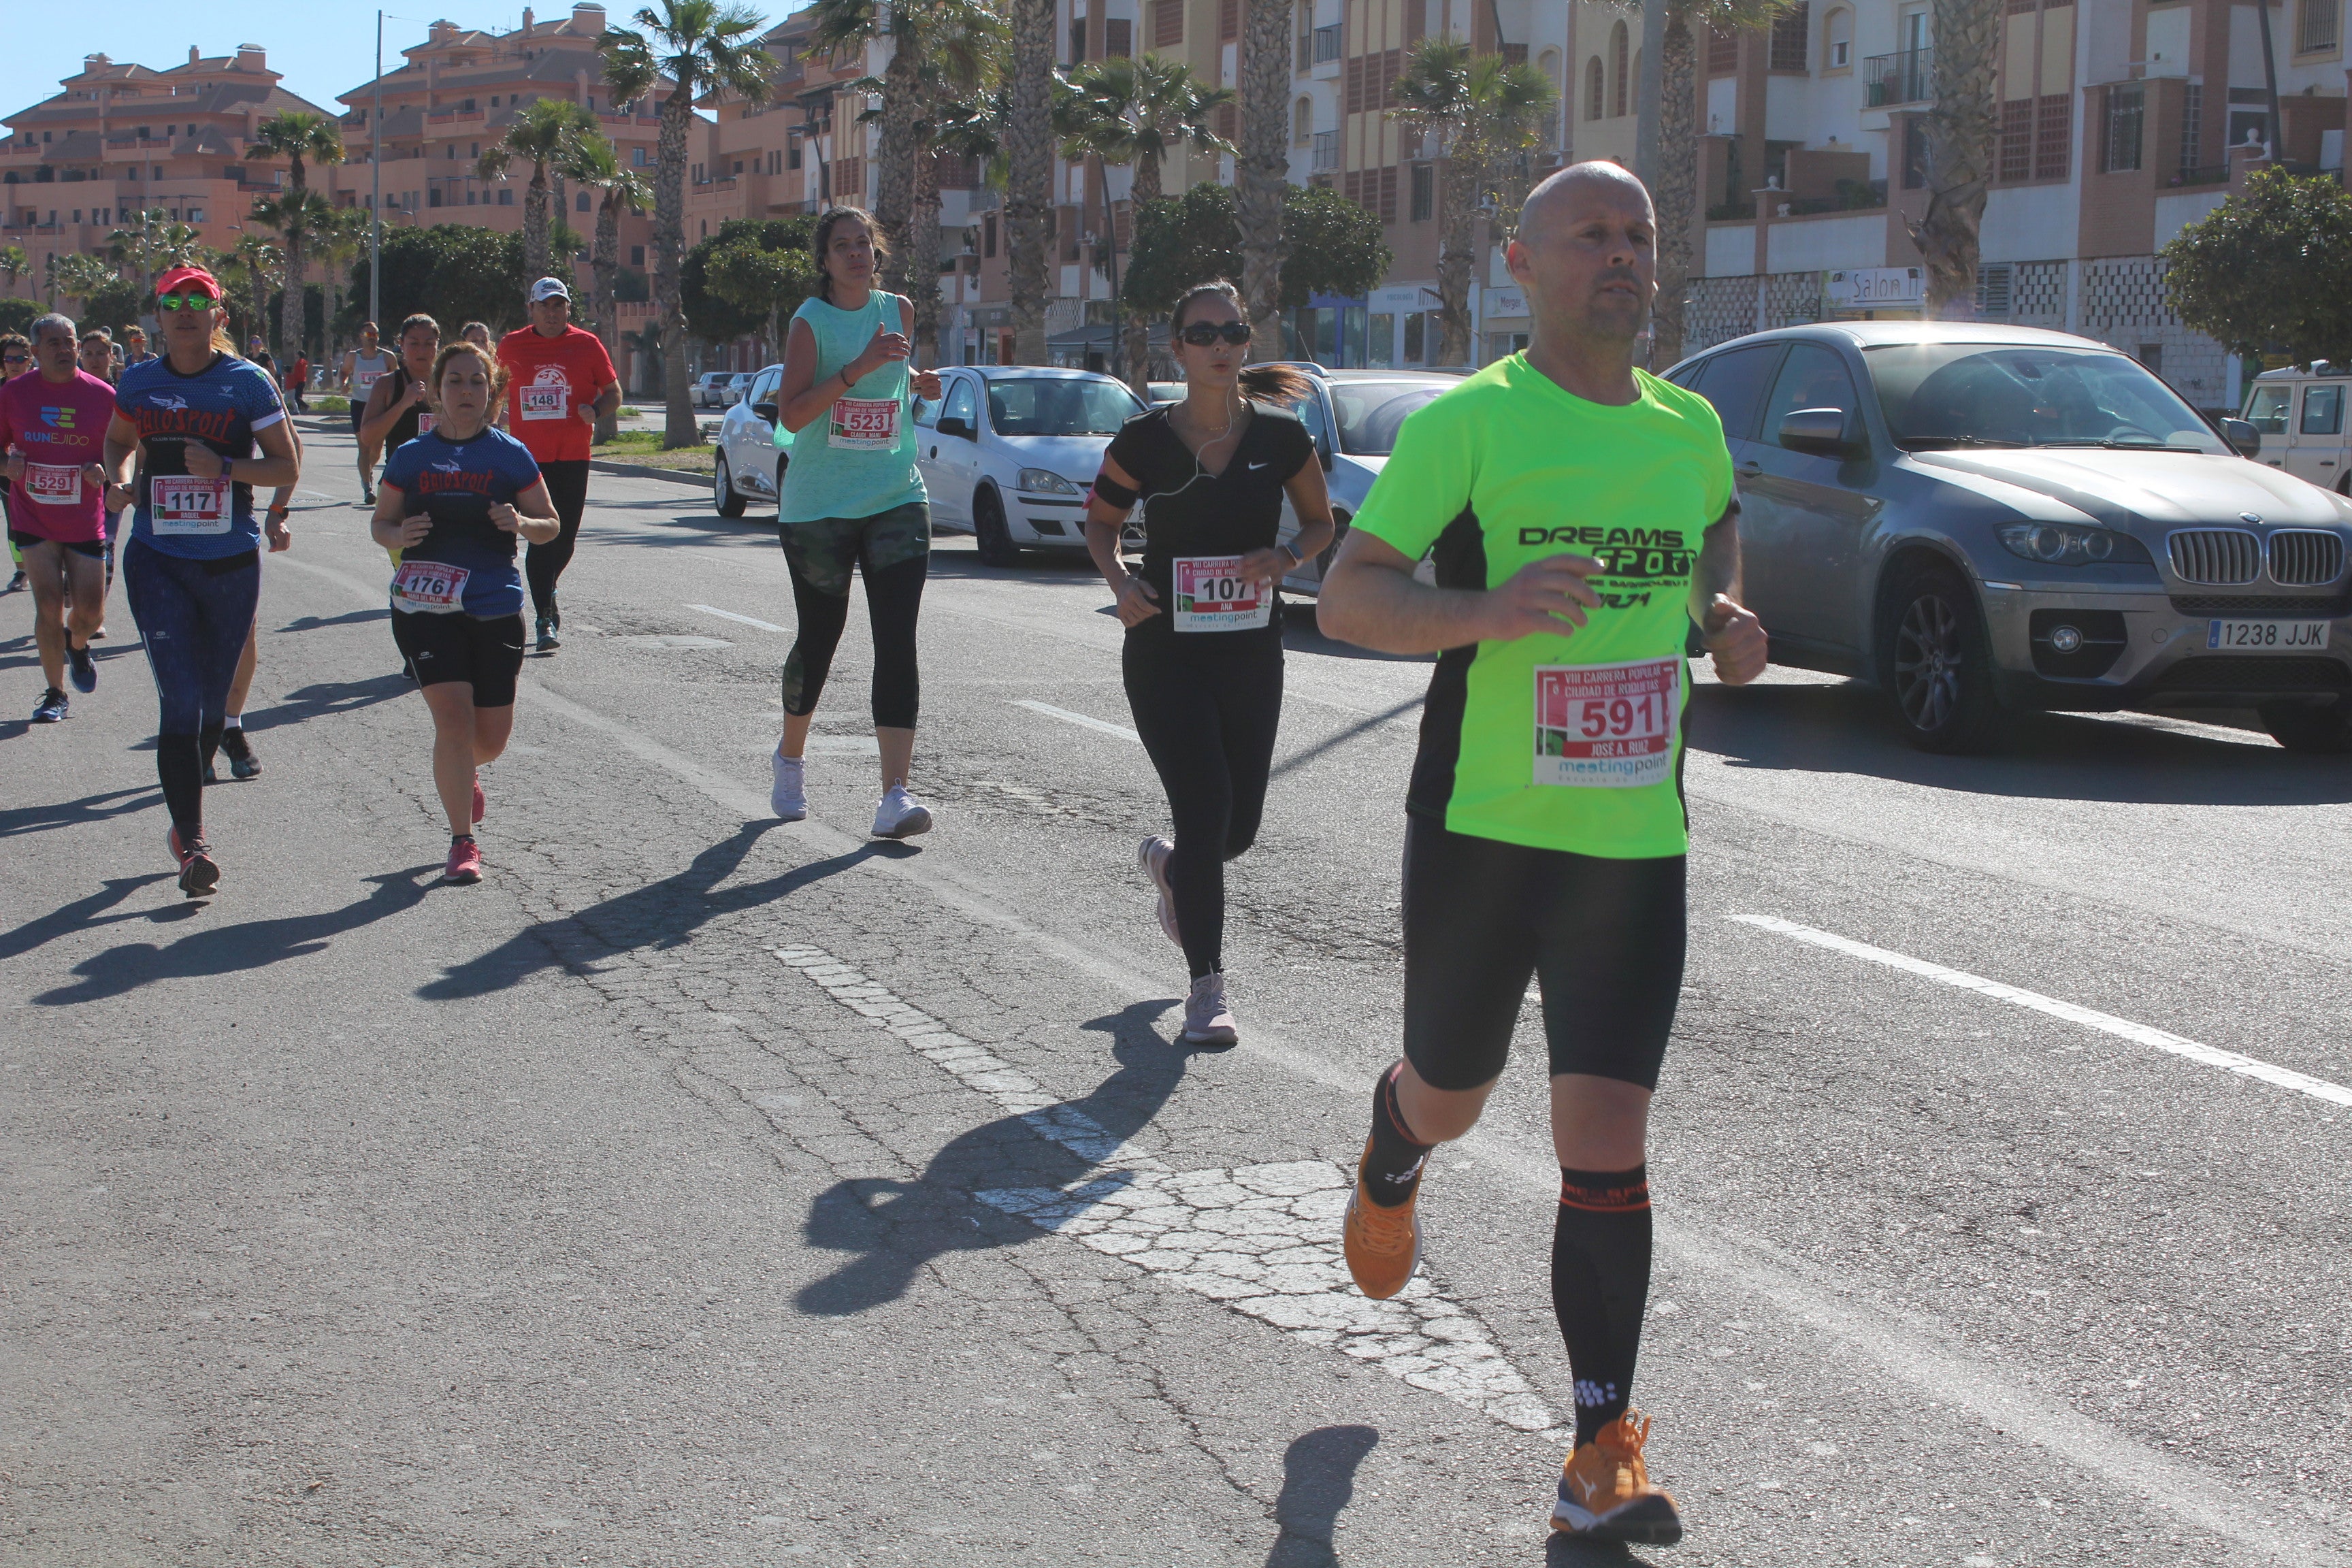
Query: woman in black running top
(1203, 655)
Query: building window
(2315, 27)
(1915, 154)
(1722, 51)
(1119, 36)
(1416, 337)
(1619, 42)
(1424, 192)
(1837, 35)
(2053, 137)
(791, 153)
(637, 157)
(1595, 91)
(1167, 24)
(1229, 20)
(988, 235)
(1302, 122)
(1789, 33)
(506, 196)
(1078, 39)
(2192, 128)
(580, 202)
(2127, 112)
(637, 256)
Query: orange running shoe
(1605, 1492)
(1383, 1245)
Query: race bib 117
(182, 503)
(1607, 726)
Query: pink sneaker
(1152, 855)
(465, 865)
(199, 872)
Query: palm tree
(541, 135)
(1262, 170)
(259, 266)
(13, 264)
(1028, 135)
(1135, 111)
(301, 138)
(299, 215)
(594, 163)
(77, 275)
(698, 46)
(153, 244)
(1961, 128)
(1485, 112)
(1677, 193)
(931, 41)
(340, 240)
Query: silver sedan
(1984, 519)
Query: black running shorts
(485, 653)
(1481, 917)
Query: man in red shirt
(560, 380)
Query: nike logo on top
(1254, 467)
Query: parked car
(1010, 452)
(1354, 415)
(749, 464)
(1984, 519)
(2300, 414)
(709, 387)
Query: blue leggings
(194, 617)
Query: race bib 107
(1211, 595)
(864, 425)
(182, 503)
(1607, 726)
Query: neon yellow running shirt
(1570, 742)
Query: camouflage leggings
(893, 549)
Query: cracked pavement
(700, 1189)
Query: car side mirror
(766, 411)
(1821, 431)
(955, 425)
(2243, 438)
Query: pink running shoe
(199, 872)
(465, 865)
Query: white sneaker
(786, 797)
(1207, 1020)
(1152, 856)
(900, 815)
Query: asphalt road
(699, 1189)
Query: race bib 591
(182, 503)
(1211, 595)
(1607, 726)
(429, 587)
(864, 424)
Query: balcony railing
(1326, 43)
(1907, 77)
(1327, 150)
(1853, 195)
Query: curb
(636, 471)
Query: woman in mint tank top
(852, 499)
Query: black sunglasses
(1201, 334)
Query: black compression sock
(208, 744)
(180, 769)
(1600, 1286)
(1395, 1160)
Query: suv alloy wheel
(1936, 661)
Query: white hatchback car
(749, 465)
(1010, 452)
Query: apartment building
(124, 139)
(456, 93)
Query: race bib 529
(56, 484)
(1607, 726)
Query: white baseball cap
(549, 289)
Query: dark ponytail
(1277, 383)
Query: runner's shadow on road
(1318, 1479)
(657, 916)
(79, 812)
(231, 949)
(84, 914)
(897, 1228)
(1568, 1552)
(320, 623)
(330, 697)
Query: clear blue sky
(319, 50)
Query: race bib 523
(864, 424)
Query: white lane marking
(2294, 1531)
(2138, 1034)
(1261, 1239)
(731, 616)
(1064, 714)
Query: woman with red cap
(192, 570)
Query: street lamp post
(376, 179)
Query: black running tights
(194, 617)
(894, 599)
(1209, 723)
(567, 487)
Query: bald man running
(1581, 515)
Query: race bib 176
(429, 587)
(1211, 595)
(864, 425)
(182, 503)
(55, 484)
(1607, 726)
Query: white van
(2300, 415)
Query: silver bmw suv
(1983, 519)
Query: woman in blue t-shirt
(452, 502)
(191, 570)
